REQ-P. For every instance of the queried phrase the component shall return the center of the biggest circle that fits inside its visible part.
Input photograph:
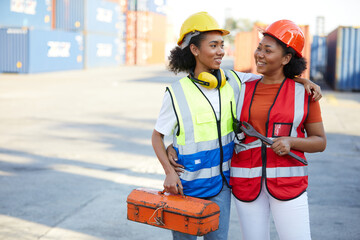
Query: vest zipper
(218, 123)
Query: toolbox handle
(180, 190)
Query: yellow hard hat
(201, 22)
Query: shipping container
(30, 13)
(318, 57)
(14, 46)
(122, 26)
(103, 50)
(157, 54)
(146, 37)
(343, 61)
(95, 16)
(69, 15)
(33, 51)
(123, 6)
(103, 17)
(150, 52)
(243, 58)
(247, 42)
(155, 6)
(122, 3)
(138, 5)
(130, 51)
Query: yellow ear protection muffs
(217, 79)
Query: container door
(14, 49)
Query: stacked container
(103, 25)
(343, 61)
(27, 43)
(247, 42)
(146, 32)
(104, 30)
(318, 57)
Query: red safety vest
(253, 161)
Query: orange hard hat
(287, 32)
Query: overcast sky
(302, 12)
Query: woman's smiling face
(269, 56)
(211, 51)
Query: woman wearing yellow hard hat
(197, 111)
(265, 179)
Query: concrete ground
(74, 144)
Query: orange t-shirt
(263, 99)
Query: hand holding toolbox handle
(179, 189)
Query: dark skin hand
(172, 156)
(311, 88)
(314, 142)
(172, 183)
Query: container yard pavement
(74, 144)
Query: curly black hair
(297, 64)
(182, 60)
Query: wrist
(169, 170)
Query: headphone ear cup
(209, 78)
(222, 78)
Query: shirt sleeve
(166, 121)
(247, 77)
(314, 115)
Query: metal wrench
(250, 131)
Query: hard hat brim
(223, 33)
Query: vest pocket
(242, 169)
(206, 117)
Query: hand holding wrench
(250, 131)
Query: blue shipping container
(33, 51)
(104, 50)
(102, 17)
(29, 13)
(69, 15)
(343, 63)
(14, 45)
(156, 6)
(318, 57)
(138, 5)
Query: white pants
(291, 217)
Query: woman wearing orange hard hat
(196, 111)
(265, 179)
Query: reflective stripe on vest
(298, 108)
(193, 148)
(197, 142)
(205, 172)
(270, 172)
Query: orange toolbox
(185, 214)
